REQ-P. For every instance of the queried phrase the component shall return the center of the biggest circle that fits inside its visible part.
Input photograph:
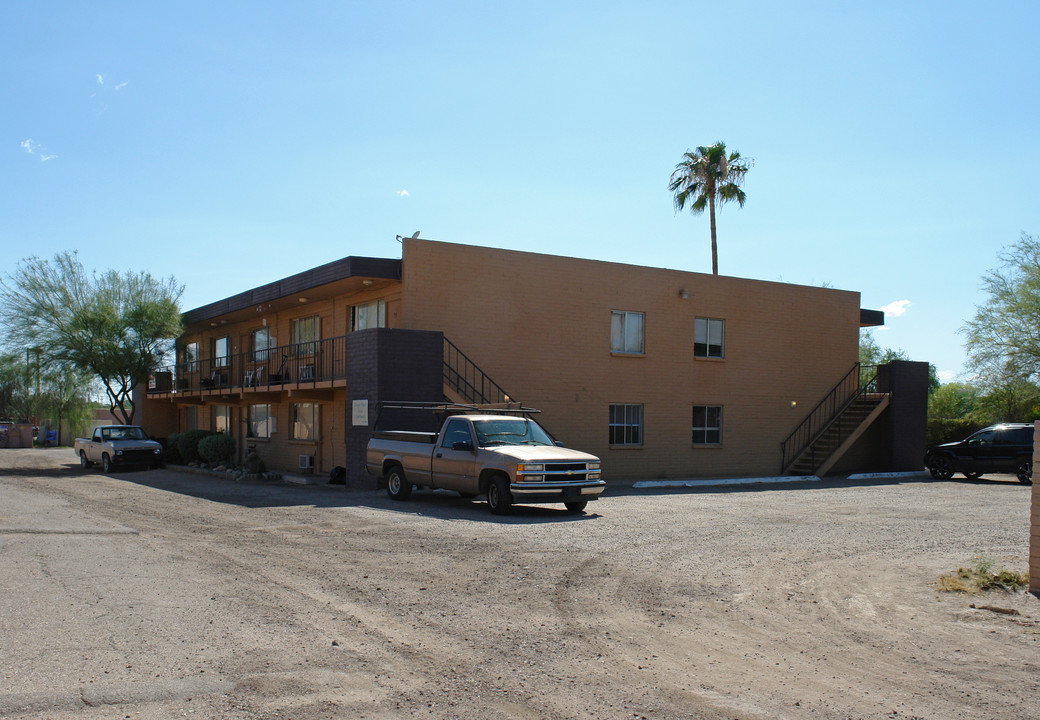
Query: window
(220, 352)
(626, 424)
(261, 422)
(261, 343)
(306, 332)
(191, 356)
(368, 315)
(456, 431)
(221, 419)
(707, 337)
(304, 419)
(191, 418)
(626, 332)
(707, 424)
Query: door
(454, 460)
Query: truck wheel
(576, 507)
(106, 463)
(397, 487)
(500, 500)
(941, 468)
(83, 462)
(1025, 472)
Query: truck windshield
(123, 433)
(510, 431)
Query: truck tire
(500, 500)
(106, 464)
(397, 486)
(83, 462)
(576, 507)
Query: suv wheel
(1025, 472)
(941, 468)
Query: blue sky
(233, 143)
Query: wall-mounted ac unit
(306, 462)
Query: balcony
(309, 365)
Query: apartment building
(662, 373)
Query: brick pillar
(1034, 520)
(387, 364)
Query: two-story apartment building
(662, 373)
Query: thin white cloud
(897, 308)
(120, 86)
(402, 193)
(45, 158)
(946, 376)
(100, 80)
(28, 146)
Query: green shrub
(188, 444)
(944, 431)
(218, 448)
(171, 454)
(255, 463)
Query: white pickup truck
(114, 446)
(509, 458)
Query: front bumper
(556, 491)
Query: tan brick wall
(1034, 520)
(540, 326)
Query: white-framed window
(221, 419)
(191, 356)
(626, 424)
(261, 421)
(260, 344)
(707, 424)
(304, 420)
(708, 337)
(626, 332)
(220, 352)
(368, 315)
(306, 332)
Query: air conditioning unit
(306, 462)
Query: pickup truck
(117, 446)
(509, 458)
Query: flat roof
(348, 267)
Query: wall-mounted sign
(360, 413)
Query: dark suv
(1006, 448)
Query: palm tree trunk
(714, 244)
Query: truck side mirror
(462, 445)
(559, 443)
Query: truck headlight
(529, 468)
(593, 475)
(119, 452)
(593, 466)
(157, 450)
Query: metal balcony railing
(302, 364)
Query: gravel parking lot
(158, 594)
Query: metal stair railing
(859, 381)
(464, 376)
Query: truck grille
(570, 470)
(145, 455)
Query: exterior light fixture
(366, 283)
(302, 300)
(684, 293)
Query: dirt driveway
(158, 594)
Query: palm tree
(707, 178)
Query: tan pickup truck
(509, 458)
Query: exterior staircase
(835, 424)
(466, 383)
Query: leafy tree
(953, 401)
(116, 327)
(708, 178)
(1006, 394)
(1006, 328)
(65, 396)
(871, 353)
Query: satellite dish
(416, 235)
